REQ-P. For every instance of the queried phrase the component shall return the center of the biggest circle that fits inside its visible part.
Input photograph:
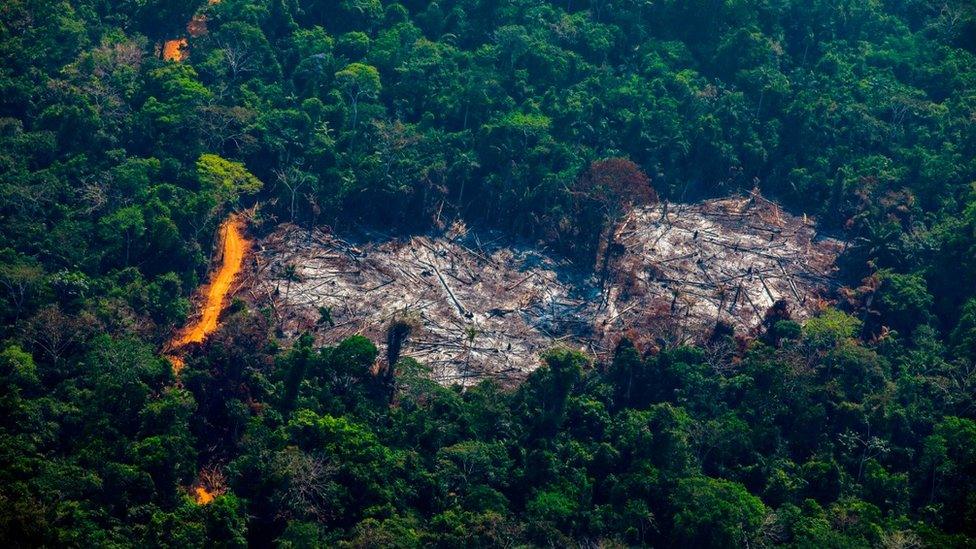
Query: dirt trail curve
(215, 294)
(212, 297)
(233, 249)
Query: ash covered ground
(486, 307)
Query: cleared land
(487, 307)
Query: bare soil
(487, 307)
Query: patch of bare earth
(488, 308)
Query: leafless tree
(52, 333)
(293, 178)
(901, 539)
(238, 59)
(224, 127)
(212, 479)
(20, 280)
(310, 484)
(719, 354)
(869, 447)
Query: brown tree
(603, 195)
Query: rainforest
(488, 273)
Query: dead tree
(611, 188)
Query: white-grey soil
(486, 307)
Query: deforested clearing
(486, 307)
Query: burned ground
(486, 307)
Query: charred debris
(472, 305)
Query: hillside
(488, 273)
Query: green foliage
(904, 301)
(963, 336)
(546, 119)
(225, 179)
(831, 328)
(715, 513)
(358, 81)
(949, 457)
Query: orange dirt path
(174, 50)
(202, 496)
(233, 249)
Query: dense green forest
(855, 429)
